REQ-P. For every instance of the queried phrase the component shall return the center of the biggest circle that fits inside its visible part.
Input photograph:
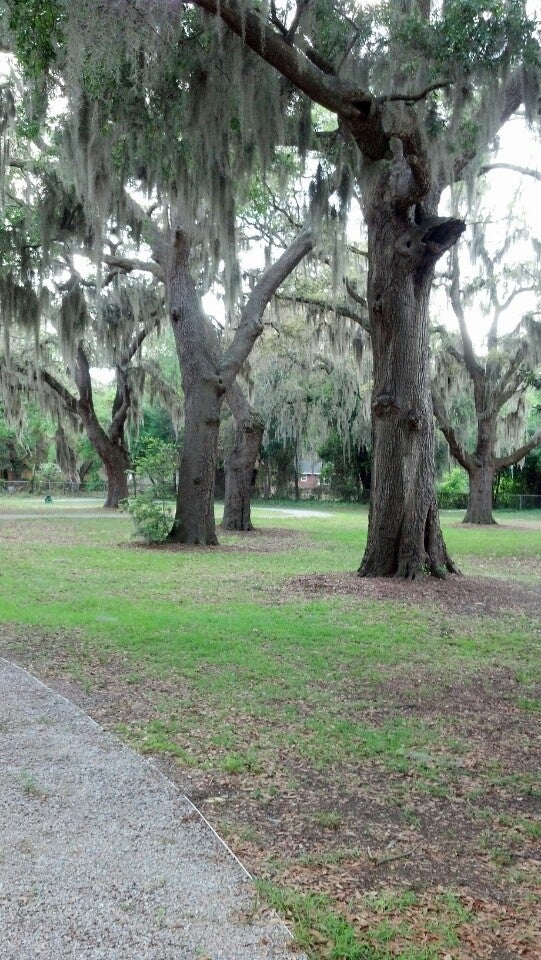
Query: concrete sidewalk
(101, 858)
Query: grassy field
(370, 749)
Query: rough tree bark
(493, 385)
(404, 535)
(207, 373)
(109, 444)
(240, 464)
(204, 388)
(480, 495)
(401, 181)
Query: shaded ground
(433, 848)
(255, 541)
(469, 596)
(438, 847)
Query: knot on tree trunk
(441, 233)
(415, 420)
(427, 241)
(384, 405)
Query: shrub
(158, 462)
(453, 490)
(152, 518)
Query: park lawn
(367, 748)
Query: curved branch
(519, 454)
(340, 309)
(251, 325)
(457, 450)
(271, 45)
(447, 345)
(473, 366)
(352, 292)
(415, 97)
(525, 171)
(121, 406)
(127, 264)
(359, 110)
(70, 402)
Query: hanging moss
(65, 454)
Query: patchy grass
(368, 748)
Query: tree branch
(519, 454)
(240, 407)
(358, 110)
(473, 366)
(340, 309)
(271, 45)
(447, 345)
(415, 97)
(127, 264)
(70, 402)
(352, 292)
(251, 321)
(457, 450)
(289, 35)
(525, 171)
(534, 288)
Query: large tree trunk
(481, 466)
(207, 373)
(194, 518)
(113, 455)
(480, 494)
(240, 464)
(116, 462)
(204, 390)
(109, 446)
(404, 535)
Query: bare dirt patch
(516, 524)
(471, 596)
(274, 540)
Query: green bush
(152, 518)
(158, 462)
(452, 490)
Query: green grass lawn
(259, 689)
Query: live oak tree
(147, 109)
(497, 379)
(208, 373)
(65, 389)
(68, 325)
(419, 90)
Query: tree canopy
(187, 104)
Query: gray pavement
(101, 858)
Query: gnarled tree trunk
(240, 464)
(481, 466)
(204, 390)
(116, 462)
(207, 372)
(110, 446)
(194, 518)
(404, 535)
(480, 494)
